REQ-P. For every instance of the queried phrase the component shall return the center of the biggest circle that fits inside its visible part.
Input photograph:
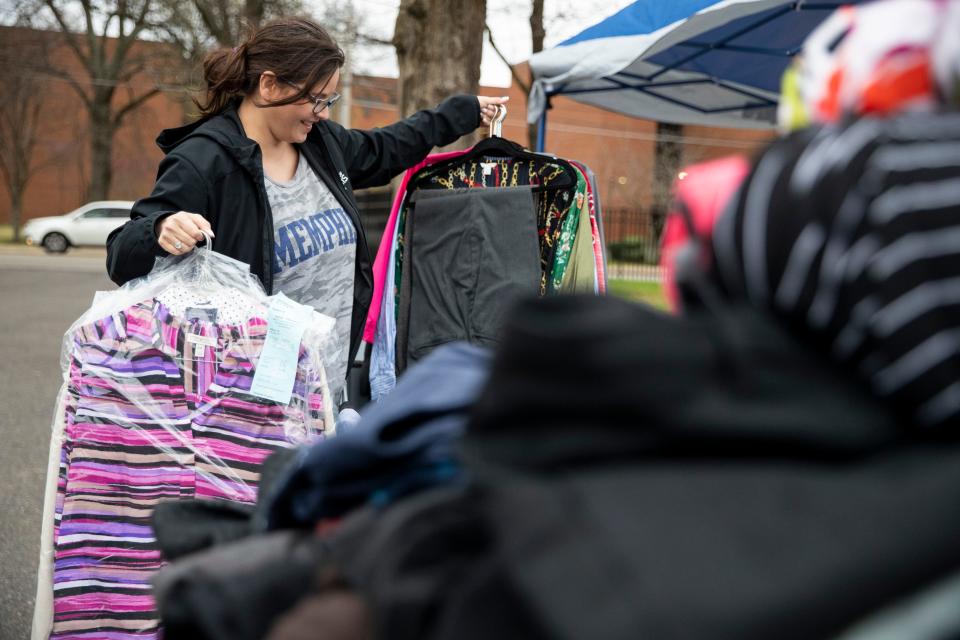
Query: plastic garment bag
(176, 386)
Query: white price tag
(199, 342)
(277, 369)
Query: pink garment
(597, 251)
(704, 192)
(595, 233)
(382, 260)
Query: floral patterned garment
(558, 178)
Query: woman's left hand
(488, 107)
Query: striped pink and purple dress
(158, 408)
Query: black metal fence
(632, 236)
(374, 211)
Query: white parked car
(87, 226)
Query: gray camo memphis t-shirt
(314, 250)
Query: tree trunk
(16, 212)
(667, 157)
(17, 169)
(102, 130)
(253, 11)
(538, 33)
(439, 44)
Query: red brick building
(62, 150)
(619, 149)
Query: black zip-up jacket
(213, 169)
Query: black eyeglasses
(319, 104)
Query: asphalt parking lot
(40, 297)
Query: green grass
(6, 233)
(649, 292)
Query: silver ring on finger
(178, 245)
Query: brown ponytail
(297, 50)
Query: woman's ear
(269, 87)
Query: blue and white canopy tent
(712, 62)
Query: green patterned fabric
(568, 234)
(580, 275)
(552, 205)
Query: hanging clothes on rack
(381, 318)
(177, 386)
(385, 250)
(578, 272)
(596, 228)
(496, 162)
(568, 234)
(465, 275)
(567, 219)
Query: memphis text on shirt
(307, 237)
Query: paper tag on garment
(209, 341)
(199, 342)
(487, 167)
(277, 370)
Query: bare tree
(537, 32)
(345, 23)
(667, 156)
(194, 27)
(226, 20)
(439, 44)
(20, 116)
(104, 38)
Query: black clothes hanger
(497, 147)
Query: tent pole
(542, 129)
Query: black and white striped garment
(852, 234)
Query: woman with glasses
(271, 177)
